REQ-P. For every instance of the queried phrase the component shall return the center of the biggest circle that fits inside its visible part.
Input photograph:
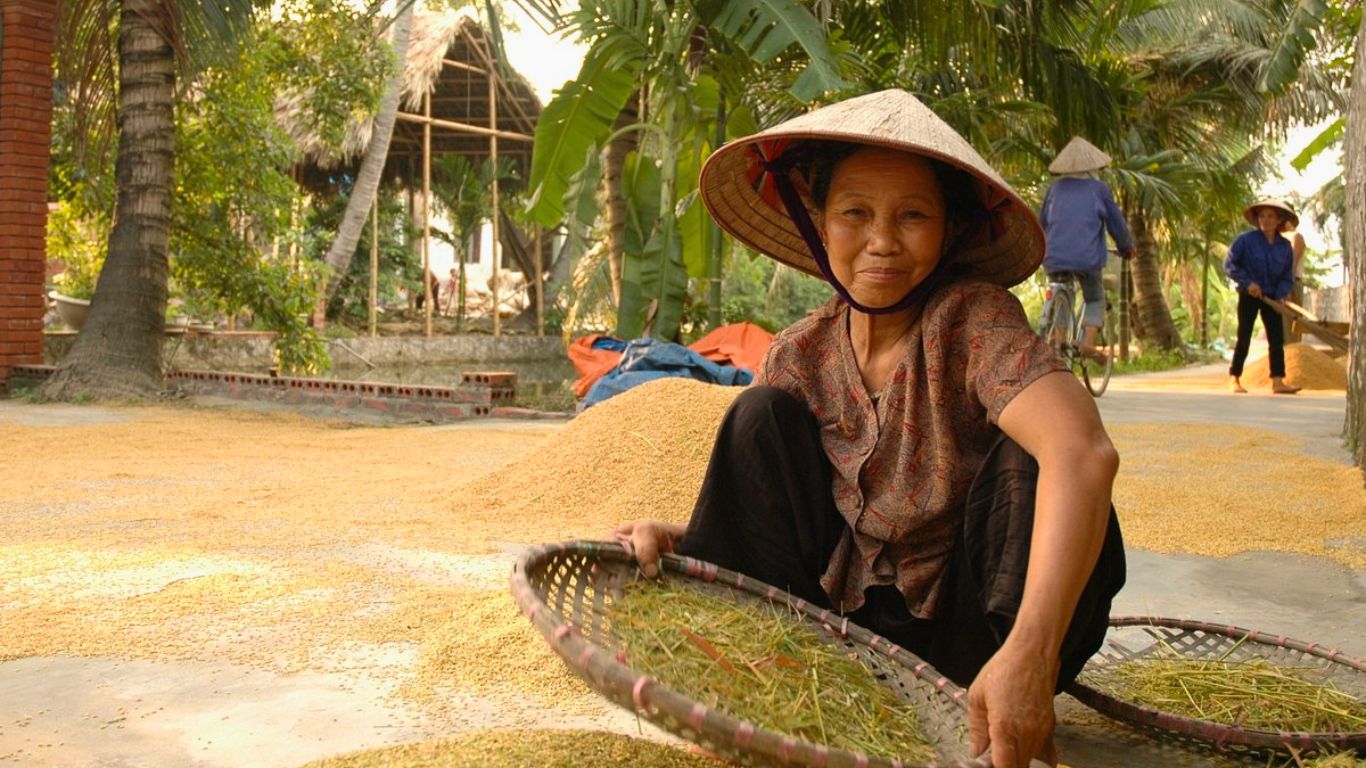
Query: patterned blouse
(902, 460)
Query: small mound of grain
(1305, 367)
(523, 749)
(640, 454)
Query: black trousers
(1248, 310)
(766, 509)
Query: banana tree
(661, 52)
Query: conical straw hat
(1079, 156)
(1291, 221)
(740, 197)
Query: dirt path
(189, 586)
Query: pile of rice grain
(640, 454)
(1305, 367)
(523, 749)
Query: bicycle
(1060, 325)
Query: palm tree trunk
(367, 179)
(1354, 154)
(1155, 325)
(118, 351)
(613, 168)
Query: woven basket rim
(1222, 735)
(581, 654)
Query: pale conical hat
(1079, 156)
(1291, 219)
(738, 196)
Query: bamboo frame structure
(457, 99)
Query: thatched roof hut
(449, 58)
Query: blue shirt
(1075, 217)
(1251, 259)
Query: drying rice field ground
(209, 585)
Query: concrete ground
(115, 713)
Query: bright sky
(547, 62)
(1305, 183)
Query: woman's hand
(1254, 290)
(647, 538)
(1010, 706)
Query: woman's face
(1269, 220)
(883, 224)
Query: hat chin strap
(792, 201)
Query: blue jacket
(1075, 217)
(1251, 259)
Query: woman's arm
(1011, 701)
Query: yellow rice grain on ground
(524, 749)
(477, 640)
(1221, 490)
(1305, 366)
(202, 534)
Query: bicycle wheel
(1095, 373)
(1057, 328)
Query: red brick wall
(25, 131)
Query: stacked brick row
(25, 129)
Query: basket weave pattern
(566, 591)
(1138, 637)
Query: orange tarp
(742, 345)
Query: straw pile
(1249, 693)
(523, 749)
(764, 665)
(1305, 367)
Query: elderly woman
(911, 454)
(1262, 262)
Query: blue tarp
(644, 360)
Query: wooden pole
(540, 287)
(462, 127)
(426, 212)
(374, 269)
(493, 162)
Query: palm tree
(1205, 77)
(118, 350)
(1356, 249)
(363, 191)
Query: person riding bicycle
(1078, 210)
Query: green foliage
(399, 267)
(1152, 361)
(765, 29)
(230, 203)
(759, 290)
(80, 243)
(1295, 40)
(576, 122)
(327, 55)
